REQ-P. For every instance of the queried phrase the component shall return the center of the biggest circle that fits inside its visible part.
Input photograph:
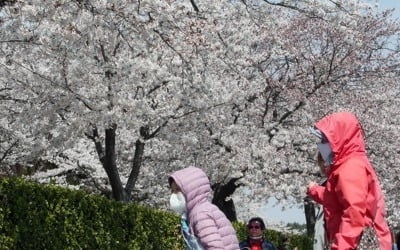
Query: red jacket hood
(344, 134)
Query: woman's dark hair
(259, 220)
(170, 180)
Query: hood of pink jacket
(194, 184)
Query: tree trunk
(309, 211)
(108, 159)
(222, 200)
(227, 207)
(110, 166)
(137, 162)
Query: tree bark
(137, 162)
(108, 158)
(110, 166)
(222, 200)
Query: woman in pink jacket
(190, 192)
(352, 198)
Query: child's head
(173, 186)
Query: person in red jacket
(352, 198)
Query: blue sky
(389, 4)
(274, 212)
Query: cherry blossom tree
(132, 91)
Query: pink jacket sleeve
(206, 231)
(316, 193)
(351, 191)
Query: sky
(390, 4)
(272, 212)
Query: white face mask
(177, 203)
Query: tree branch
(95, 183)
(194, 5)
(8, 151)
(136, 164)
(166, 41)
(96, 139)
(285, 5)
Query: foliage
(36, 216)
(297, 226)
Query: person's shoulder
(204, 207)
(243, 243)
(355, 162)
(267, 244)
(352, 168)
(207, 209)
(204, 211)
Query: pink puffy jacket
(208, 223)
(352, 197)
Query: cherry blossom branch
(194, 5)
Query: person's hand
(311, 184)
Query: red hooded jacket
(352, 198)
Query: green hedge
(37, 216)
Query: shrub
(36, 216)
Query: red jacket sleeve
(351, 191)
(316, 193)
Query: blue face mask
(326, 153)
